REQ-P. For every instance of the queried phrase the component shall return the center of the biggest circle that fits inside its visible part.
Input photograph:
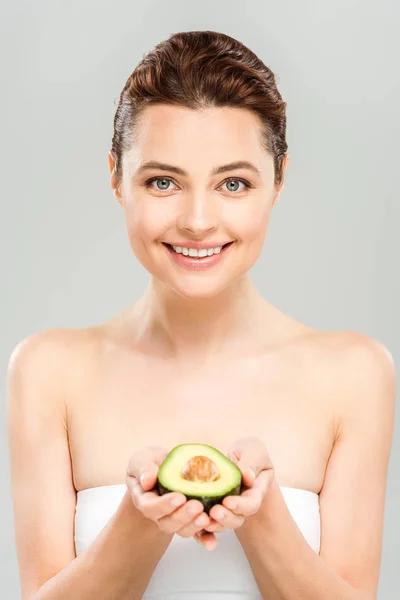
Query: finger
(248, 474)
(226, 518)
(181, 517)
(249, 502)
(152, 505)
(208, 540)
(197, 524)
(144, 464)
(245, 505)
(214, 527)
(250, 452)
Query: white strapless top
(187, 570)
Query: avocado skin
(206, 501)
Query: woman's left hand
(252, 458)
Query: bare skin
(261, 400)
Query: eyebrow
(240, 164)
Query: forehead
(208, 136)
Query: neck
(199, 327)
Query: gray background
(329, 259)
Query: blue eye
(234, 180)
(166, 181)
(163, 179)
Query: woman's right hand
(172, 512)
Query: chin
(194, 286)
(199, 290)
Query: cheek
(143, 222)
(250, 222)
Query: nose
(198, 214)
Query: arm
(351, 501)
(120, 561)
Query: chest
(126, 405)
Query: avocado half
(200, 472)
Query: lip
(192, 263)
(199, 245)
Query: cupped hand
(171, 512)
(252, 458)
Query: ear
(279, 189)
(113, 178)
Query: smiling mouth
(170, 245)
(204, 259)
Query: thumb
(144, 465)
(240, 460)
(251, 457)
(248, 473)
(148, 476)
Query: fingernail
(143, 477)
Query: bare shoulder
(361, 370)
(49, 347)
(361, 359)
(351, 352)
(47, 358)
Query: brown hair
(201, 69)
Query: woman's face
(197, 204)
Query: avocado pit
(200, 469)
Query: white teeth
(197, 253)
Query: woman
(197, 162)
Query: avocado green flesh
(209, 493)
